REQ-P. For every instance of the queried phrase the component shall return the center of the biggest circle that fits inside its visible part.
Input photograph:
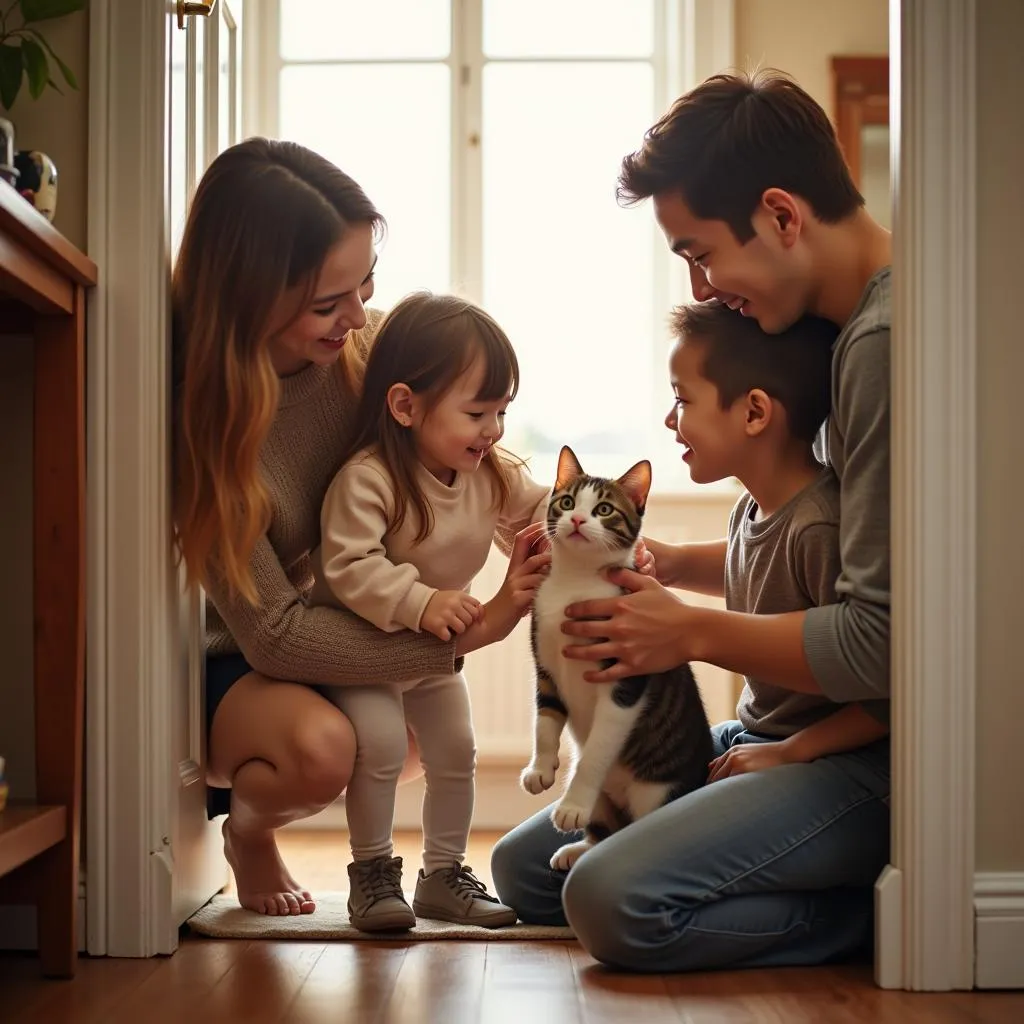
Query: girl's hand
(499, 616)
(748, 757)
(644, 559)
(448, 612)
(642, 630)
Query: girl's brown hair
(428, 342)
(264, 217)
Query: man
(773, 867)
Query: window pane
(568, 28)
(567, 272)
(357, 30)
(389, 127)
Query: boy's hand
(749, 757)
(448, 612)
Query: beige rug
(223, 918)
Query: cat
(640, 741)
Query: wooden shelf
(26, 830)
(43, 285)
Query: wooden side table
(43, 281)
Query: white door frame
(131, 602)
(925, 897)
(927, 941)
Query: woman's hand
(749, 757)
(643, 631)
(525, 574)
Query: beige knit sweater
(283, 637)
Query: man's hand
(448, 612)
(646, 630)
(749, 757)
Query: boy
(750, 406)
(763, 868)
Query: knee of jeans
(323, 757)
(511, 863)
(600, 906)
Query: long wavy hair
(264, 217)
(428, 342)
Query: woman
(271, 333)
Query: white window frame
(694, 38)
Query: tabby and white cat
(640, 741)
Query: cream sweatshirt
(384, 575)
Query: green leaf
(69, 75)
(10, 75)
(36, 67)
(43, 10)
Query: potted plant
(25, 56)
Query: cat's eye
(565, 503)
(604, 508)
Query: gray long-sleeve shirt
(847, 644)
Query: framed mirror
(860, 88)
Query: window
(489, 133)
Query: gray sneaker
(375, 901)
(455, 894)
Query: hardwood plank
(179, 990)
(91, 998)
(440, 982)
(607, 997)
(263, 982)
(26, 830)
(350, 982)
(529, 981)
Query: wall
(800, 37)
(57, 125)
(1000, 707)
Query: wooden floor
(239, 982)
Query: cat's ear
(636, 482)
(568, 468)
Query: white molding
(129, 580)
(709, 38)
(999, 940)
(934, 434)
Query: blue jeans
(770, 868)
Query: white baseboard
(999, 929)
(500, 805)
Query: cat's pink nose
(578, 520)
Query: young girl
(406, 525)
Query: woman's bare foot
(261, 879)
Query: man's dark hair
(726, 142)
(794, 367)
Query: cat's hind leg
(604, 821)
(644, 797)
(612, 724)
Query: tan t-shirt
(385, 575)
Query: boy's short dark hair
(724, 143)
(794, 367)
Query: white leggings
(437, 710)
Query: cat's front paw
(569, 816)
(566, 856)
(539, 775)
